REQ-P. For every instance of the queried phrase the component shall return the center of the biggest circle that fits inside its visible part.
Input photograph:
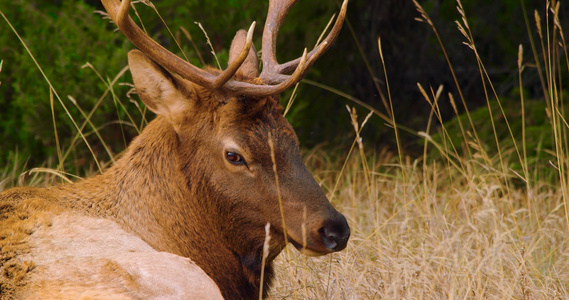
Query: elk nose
(335, 233)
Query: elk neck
(180, 212)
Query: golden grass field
(430, 232)
(464, 226)
(461, 225)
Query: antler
(273, 73)
(272, 70)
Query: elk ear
(160, 91)
(250, 67)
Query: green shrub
(540, 144)
(62, 38)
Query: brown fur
(173, 191)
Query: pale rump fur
(66, 253)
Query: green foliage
(62, 38)
(539, 138)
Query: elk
(183, 213)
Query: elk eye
(234, 158)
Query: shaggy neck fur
(184, 223)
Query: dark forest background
(65, 35)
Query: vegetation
(481, 214)
(477, 209)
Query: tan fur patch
(18, 220)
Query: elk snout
(335, 233)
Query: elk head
(239, 155)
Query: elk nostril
(335, 236)
(328, 239)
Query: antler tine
(274, 72)
(119, 14)
(266, 90)
(295, 77)
(278, 9)
(231, 69)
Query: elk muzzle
(335, 232)
(321, 229)
(332, 234)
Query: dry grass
(463, 227)
(432, 233)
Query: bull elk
(200, 182)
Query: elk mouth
(328, 244)
(308, 251)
